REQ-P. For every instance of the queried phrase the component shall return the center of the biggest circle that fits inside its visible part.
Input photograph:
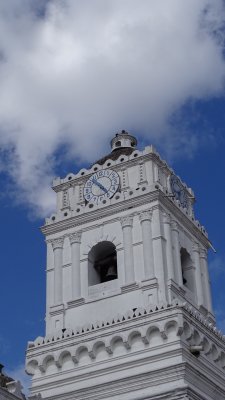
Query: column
(158, 252)
(145, 219)
(169, 248)
(206, 280)
(176, 246)
(127, 224)
(75, 240)
(198, 274)
(57, 245)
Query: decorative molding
(160, 321)
(65, 199)
(166, 218)
(102, 238)
(57, 309)
(129, 287)
(57, 243)
(76, 302)
(149, 284)
(114, 208)
(161, 237)
(145, 216)
(203, 253)
(75, 237)
(127, 221)
(195, 247)
(142, 173)
(174, 226)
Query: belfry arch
(187, 270)
(102, 263)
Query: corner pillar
(177, 259)
(57, 245)
(206, 280)
(169, 248)
(158, 242)
(198, 273)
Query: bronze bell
(111, 273)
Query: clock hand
(99, 185)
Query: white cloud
(78, 71)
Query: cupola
(123, 139)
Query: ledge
(129, 287)
(76, 302)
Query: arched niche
(102, 263)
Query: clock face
(101, 185)
(178, 191)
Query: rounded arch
(62, 356)
(171, 328)
(48, 359)
(81, 354)
(153, 335)
(31, 367)
(102, 263)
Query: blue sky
(72, 74)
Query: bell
(111, 273)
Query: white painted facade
(135, 336)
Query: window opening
(102, 263)
(187, 269)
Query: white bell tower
(129, 312)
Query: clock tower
(128, 311)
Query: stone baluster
(158, 253)
(57, 245)
(169, 248)
(206, 280)
(176, 247)
(198, 273)
(145, 219)
(127, 224)
(75, 240)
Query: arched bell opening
(187, 270)
(102, 263)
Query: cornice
(100, 213)
(125, 205)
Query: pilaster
(198, 273)
(158, 252)
(145, 218)
(57, 245)
(75, 240)
(206, 280)
(127, 224)
(176, 248)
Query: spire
(123, 139)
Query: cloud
(74, 72)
